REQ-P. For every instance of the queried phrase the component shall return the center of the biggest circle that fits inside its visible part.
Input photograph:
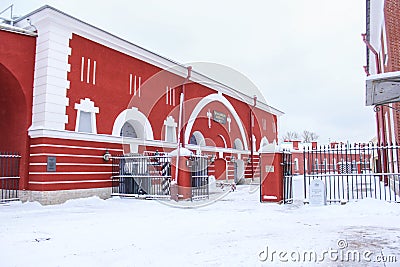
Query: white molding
(203, 103)
(138, 120)
(70, 182)
(75, 147)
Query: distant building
(70, 92)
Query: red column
(181, 185)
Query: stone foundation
(60, 196)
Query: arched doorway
(14, 120)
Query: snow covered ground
(235, 231)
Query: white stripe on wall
(79, 147)
(94, 72)
(70, 182)
(134, 86)
(140, 82)
(130, 84)
(82, 68)
(88, 70)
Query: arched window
(237, 144)
(296, 164)
(197, 138)
(170, 129)
(127, 130)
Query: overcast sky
(306, 56)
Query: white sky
(305, 56)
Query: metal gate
(148, 175)
(287, 177)
(354, 171)
(9, 179)
(199, 177)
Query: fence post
(181, 183)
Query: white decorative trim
(130, 84)
(169, 122)
(88, 71)
(86, 105)
(73, 164)
(94, 72)
(223, 139)
(199, 138)
(64, 155)
(72, 173)
(140, 83)
(90, 137)
(70, 182)
(74, 147)
(134, 87)
(138, 120)
(204, 102)
(82, 68)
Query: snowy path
(230, 232)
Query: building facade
(382, 39)
(72, 92)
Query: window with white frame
(170, 129)
(296, 164)
(86, 116)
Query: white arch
(139, 122)
(204, 102)
(200, 140)
(223, 139)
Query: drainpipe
(182, 136)
(181, 132)
(383, 126)
(251, 137)
(372, 49)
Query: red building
(382, 39)
(71, 91)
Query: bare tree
(309, 136)
(291, 136)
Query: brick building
(382, 39)
(70, 92)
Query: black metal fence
(354, 171)
(149, 175)
(287, 177)
(199, 176)
(9, 179)
(135, 175)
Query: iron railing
(135, 175)
(9, 179)
(354, 171)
